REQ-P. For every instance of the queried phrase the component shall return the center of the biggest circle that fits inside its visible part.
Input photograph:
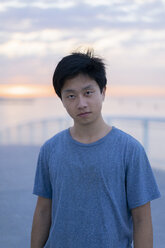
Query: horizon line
(18, 91)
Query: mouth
(84, 114)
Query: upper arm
(44, 205)
(141, 213)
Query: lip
(84, 114)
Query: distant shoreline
(4, 99)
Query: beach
(17, 171)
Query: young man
(94, 182)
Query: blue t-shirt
(93, 188)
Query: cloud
(19, 48)
(50, 41)
(36, 4)
(130, 34)
(82, 15)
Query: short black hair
(79, 63)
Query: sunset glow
(36, 90)
(25, 91)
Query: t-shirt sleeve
(141, 185)
(42, 184)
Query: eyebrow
(85, 88)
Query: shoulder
(134, 154)
(124, 138)
(128, 146)
(56, 138)
(54, 142)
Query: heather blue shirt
(93, 188)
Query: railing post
(31, 132)
(44, 129)
(146, 134)
(8, 136)
(1, 137)
(18, 134)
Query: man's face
(82, 99)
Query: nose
(81, 102)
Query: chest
(87, 167)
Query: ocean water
(18, 112)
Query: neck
(90, 133)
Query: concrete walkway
(17, 170)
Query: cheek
(99, 100)
(69, 106)
(65, 103)
(99, 105)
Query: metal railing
(36, 132)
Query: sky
(128, 34)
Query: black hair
(79, 63)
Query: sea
(16, 112)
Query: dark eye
(88, 92)
(71, 96)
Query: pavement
(17, 203)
